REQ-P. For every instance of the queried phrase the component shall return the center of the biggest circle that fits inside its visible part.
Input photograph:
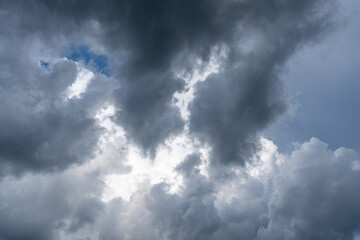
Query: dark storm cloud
(39, 130)
(232, 106)
(309, 194)
(150, 41)
(158, 38)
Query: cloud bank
(149, 42)
(84, 83)
(308, 194)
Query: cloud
(145, 44)
(56, 151)
(39, 206)
(149, 42)
(40, 130)
(42, 127)
(232, 106)
(315, 197)
(308, 194)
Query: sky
(323, 85)
(172, 120)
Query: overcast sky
(202, 119)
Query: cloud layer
(128, 60)
(308, 194)
(149, 42)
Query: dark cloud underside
(150, 41)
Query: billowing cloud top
(94, 90)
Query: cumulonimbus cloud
(51, 181)
(149, 41)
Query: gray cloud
(306, 195)
(232, 106)
(149, 42)
(315, 197)
(160, 39)
(309, 196)
(40, 206)
(39, 129)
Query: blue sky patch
(44, 64)
(98, 63)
